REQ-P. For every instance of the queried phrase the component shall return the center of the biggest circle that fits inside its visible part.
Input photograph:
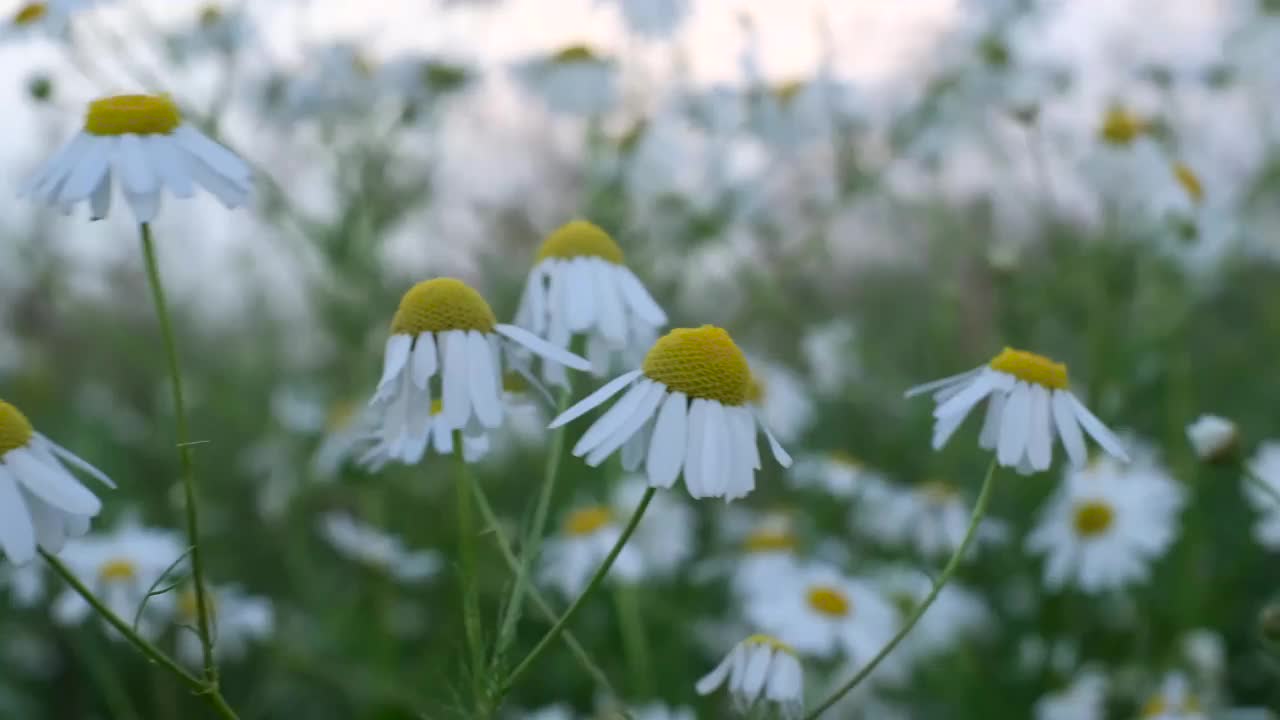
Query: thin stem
(635, 642)
(539, 601)
(601, 572)
(184, 457)
(979, 510)
(467, 569)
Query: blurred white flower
(1265, 467)
(830, 353)
(1106, 524)
(1084, 699)
(760, 668)
(51, 19)
(238, 620)
(658, 711)
(216, 28)
(839, 474)
(142, 142)
(955, 614)
(1029, 405)
(25, 583)
(334, 82)
(1173, 701)
(767, 552)
(571, 557)
(420, 81)
(379, 550)
(1213, 438)
(929, 517)
(573, 81)
(666, 539)
(655, 19)
(1206, 652)
(551, 712)
(780, 396)
(41, 502)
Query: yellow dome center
(440, 305)
(829, 601)
(118, 570)
(1032, 368)
(1189, 181)
(1093, 518)
(1121, 127)
(701, 363)
(575, 54)
(764, 541)
(15, 429)
(30, 13)
(770, 641)
(580, 239)
(587, 520)
(132, 114)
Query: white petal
(942, 383)
(100, 198)
(962, 402)
(638, 298)
(17, 535)
(217, 157)
(169, 164)
(642, 413)
(51, 483)
(779, 453)
(1097, 430)
(75, 461)
(393, 361)
(424, 359)
(1040, 438)
(485, 393)
(990, 434)
(49, 524)
(613, 419)
(742, 437)
(542, 347)
(696, 445)
(456, 392)
(753, 677)
(533, 303)
(667, 447)
(231, 193)
(1064, 417)
(610, 316)
(1014, 427)
(581, 312)
(84, 177)
(596, 398)
(715, 678)
(715, 438)
(44, 184)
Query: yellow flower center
(1189, 181)
(829, 601)
(846, 460)
(1092, 518)
(587, 520)
(701, 363)
(1153, 707)
(437, 406)
(770, 642)
(340, 416)
(132, 114)
(440, 305)
(575, 54)
(515, 383)
(937, 492)
(755, 389)
(1032, 368)
(1121, 127)
(15, 429)
(1157, 706)
(763, 541)
(787, 91)
(210, 15)
(580, 238)
(30, 13)
(118, 570)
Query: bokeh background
(867, 194)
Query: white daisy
(839, 474)
(685, 409)
(41, 502)
(334, 82)
(50, 18)
(1106, 524)
(1029, 404)
(781, 399)
(587, 535)
(653, 18)
(1084, 699)
(768, 552)
(573, 81)
(666, 540)
(121, 567)
(239, 619)
(475, 443)
(141, 141)
(216, 28)
(930, 517)
(378, 550)
(1173, 701)
(1213, 438)
(580, 286)
(446, 344)
(420, 81)
(1265, 467)
(760, 669)
(822, 613)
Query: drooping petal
(1064, 417)
(424, 361)
(1014, 427)
(613, 419)
(542, 347)
(667, 447)
(485, 393)
(17, 535)
(456, 393)
(596, 398)
(1040, 437)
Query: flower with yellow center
(1107, 524)
(120, 567)
(378, 550)
(760, 668)
(1120, 126)
(41, 502)
(580, 286)
(838, 473)
(445, 344)
(1174, 701)
(820, 612)
(930, 518)
(574, 80)
(780, 396)
(586, 536)
(239, 620)
(31, 14)
(48, 19)
(142, 142)
(1028, 405)
(684, 410)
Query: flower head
(575, 80)
(1120, 126)
(586, 536)
(930, 517)
(1173, 701)
(121, 567)
(822, 613)
(1265, 467)
(143, 142)
(685, 410)
(1214, 439)
(1084, 699)
(1029, 404)
(238, 619)
(41, 502)
(378, 550)
(760, 668)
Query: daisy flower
(216, 28)
(378, 550)
(239, 619)
(666, 540)
(580, 286)
(930, 517)
(839, 474)
(1213, 438)
(572, 81)
(141, 141)
(684, 410)
(781, 399)
(1029, 404)
(1106, 524)
(439, 437)
(1084, 699)
(1173, 701)
(41, 502)
(654, 19)
(51, 18)
(446, 344)
(120, 568)
(768, 552)
(760, 669)
(586, 537)
(1265, 466)
(822, 613)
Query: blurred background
(866, 194)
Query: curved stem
(184, 457)
(979, 510)
(467, 569)
(601, 572)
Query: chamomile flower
(215, 28)
(475, 444)
(1213, 438)
(446, 344)
(580, 286)
(1028, 404)
(1106, 524)
(41, 502)
(1173, 701)
(378, 550)
(780, 398)
(121, 567)
(822, 613)
(666, 539)
(930, 517)
(767, 552)
(760, 669)
(572, 81)
(142, 142)
(684, 410)
(1084, 699)
(586, 536)
(652, 18)
(50, 18)
(838, 474)
(1265, 466)
(238, 620)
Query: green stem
(200, 687)
(979, 510)
(184, 457)
(539, 601)
(601, 572)
(467, 570)
(635, 642)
